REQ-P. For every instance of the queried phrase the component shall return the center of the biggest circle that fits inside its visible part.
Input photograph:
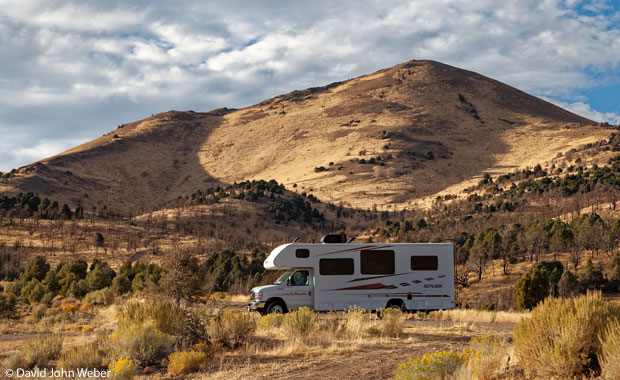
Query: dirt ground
(364, 358)
(375, 359)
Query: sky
(71, 71)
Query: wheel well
(395, 301)
(275, 299)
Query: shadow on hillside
(159, 154)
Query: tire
(276, 307)
(397, 306)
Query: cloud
(87, 66)
(586, 110)
(12, 157)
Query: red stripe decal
(369, 286)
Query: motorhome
(340, 275)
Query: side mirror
(288, 281)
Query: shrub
(568, 285)
(143, 343)
(38, 311)
(610, 352)
(186, 361)
(232, 328)
(14, 287)
(328, 325)
(532, 288)
(123, 369)
(166, 317)
(270, 321)
(14, 361)
(78, 288)
(183, 279)
(100, 276)
(70, 308)
(614, 271)
(36, 268)
(84, 356)
(560, 339)
(86, 307)
(40, 351)
(7, 305)
(102, 296)
(591, 277)
(434, 366)
(555, 269)
(196, 322)
(121, 284)
(484, 357)
(77, 267)
(218, 296)
(66, 281)
(33, 291)
(47, 298)
(392, 322)
(356, 321)
(298, 322)
(51, 281)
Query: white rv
(372, 276)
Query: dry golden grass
(344, 344)
(472, 315)
(325, 355)
(239, 298)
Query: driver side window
(300, 278)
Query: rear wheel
(276, 307)
(397, 305)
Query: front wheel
(276, 307)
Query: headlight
(255, 296)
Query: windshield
(283, 278)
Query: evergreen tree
(568, 286)
(614, 271)
(100, 276)
(532, 288)
(37, 268)
(65, 212)
(51, 281)
(591, 277)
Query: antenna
(295, 241)
(352, 238)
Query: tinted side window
(328, 267)
(302, 253)
(424, 263)
(377, 262)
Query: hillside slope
(394, 138)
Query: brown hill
(399, 136)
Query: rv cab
(292, 290)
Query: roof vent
(334, 239)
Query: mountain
(392, 139)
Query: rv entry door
(300, 289)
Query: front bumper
(256, 305)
